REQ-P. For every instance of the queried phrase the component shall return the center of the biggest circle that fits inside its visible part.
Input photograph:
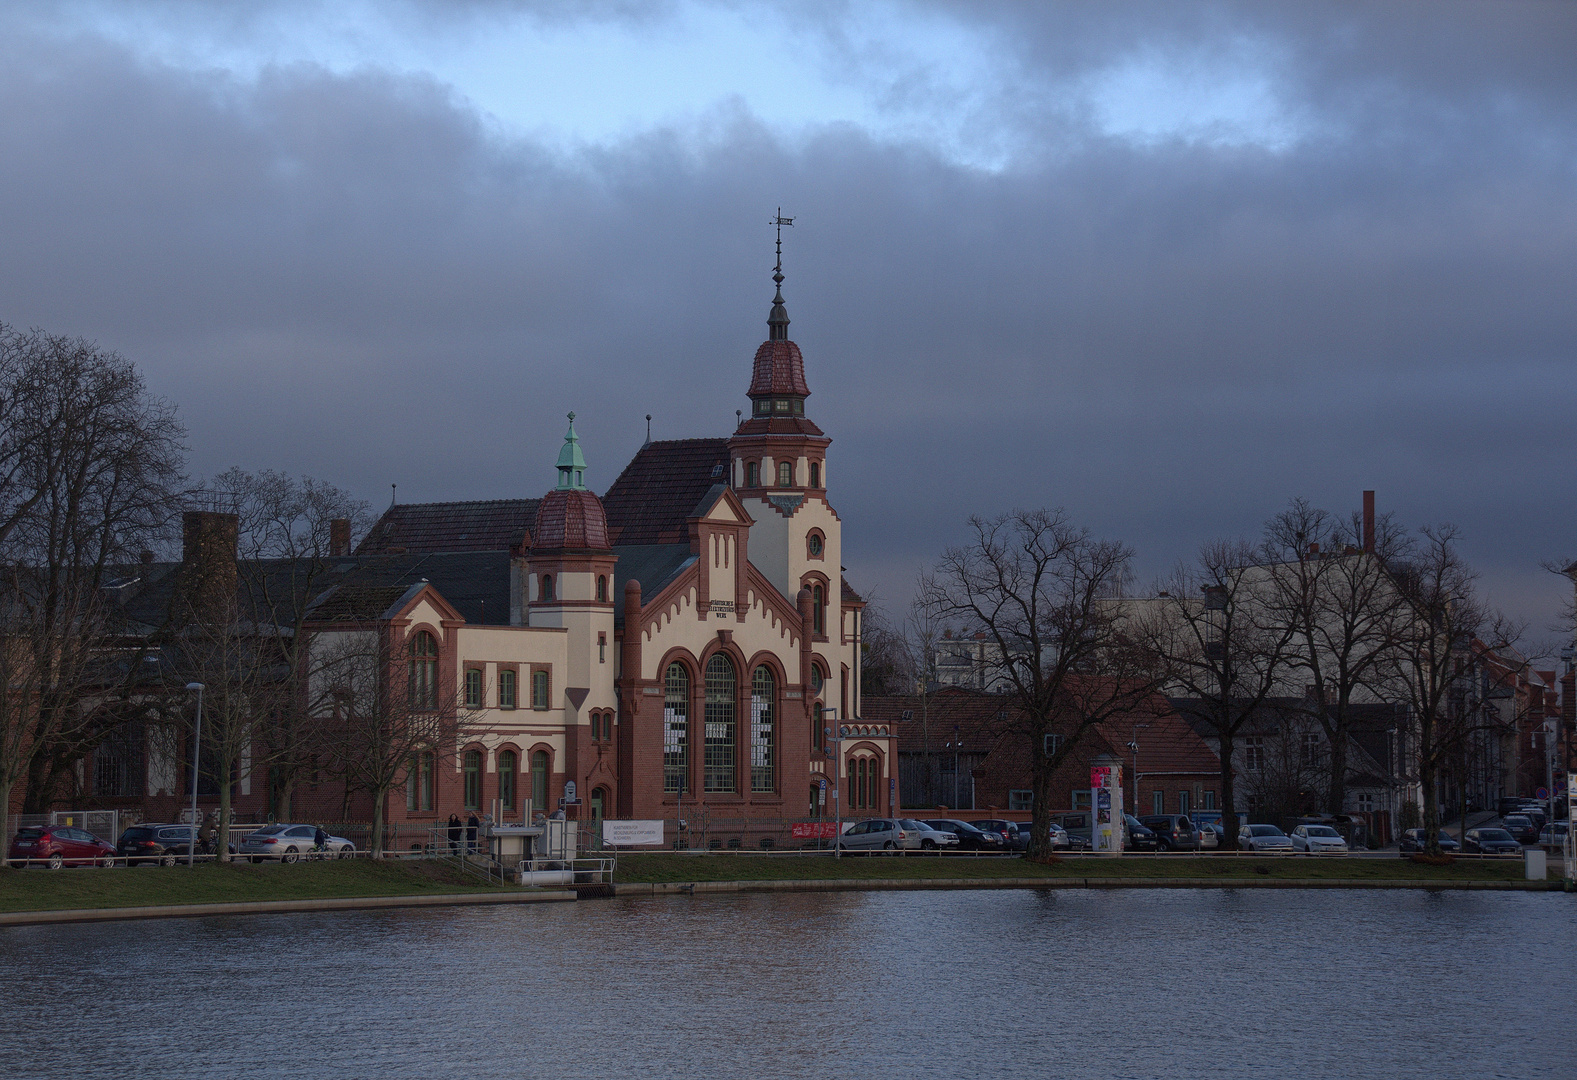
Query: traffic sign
(1542, 793)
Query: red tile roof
(661, 487)
(489, 525)
(570, 520)
(779, 369)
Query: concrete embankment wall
(275, 907)
(878, 884)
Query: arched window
(785, 474)
(507, 698)
(752, 474)
(506, 779)
(815, 474)
(721, 691)
(864, 783)
(818, 610)
(602, 588)
(423, 689)
(419, 782)
(473, 779)
(676, 727)
(546, 592)
(539, 780)
(763, 711)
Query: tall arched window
(785, 474)
(423, 688)
(752, 474)
(539, 780)
(763, 711)
(815, 474)
(818, 610)
(419, 782)
(721, 690)
(819, 736)
(506, 779)
(546, 590)
(473, 779)
(676, 727)
(602, 588)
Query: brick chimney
(208, 567)
(339, 536)
(1368, 521)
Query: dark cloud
(356, 276)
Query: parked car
(1415, 840)
(1490, 842)
(288, 842)
(1535, 813)
(1056, 834)
(55, 846)
(1318, 840)
(1257, 838)
(872, 834)
(1076, 823)
(1175, 832)
(1139, 837)
(919, 835)
(1521, 828)
(1007, 830)
(1513, 804)
(154, 843)
(1554, 834)
(1210, 835)
(969, 837)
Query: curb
(883, 885)
(271, 907)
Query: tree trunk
(1427, 772)
(1229, 832)
(376, 840)
(1041, 777)
(222, 827)
(5, 814)
(1336, 794)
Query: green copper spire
(572, 463)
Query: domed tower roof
(777, 378)
(570, 517)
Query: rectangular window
(1366, 803)
(1158, 803)
(506, 779)
(1021, 800)
(1053, 743)
(1209, 801)
(507, 697)
(473, 688)
(1254, 753)
(539, 689)
(1182, 802)
(1081, 798)
(473, 779)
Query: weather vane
(780, 221)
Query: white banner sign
(629, 833)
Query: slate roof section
(660, 488)
(653, 565)
(849, 595)
(485, 525)
(780, 425)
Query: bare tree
(1432, 654)
(1224, 646)
(1345, 611)
(1042, 591)
(90, 471)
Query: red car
(55, 846)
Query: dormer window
(781, 405)
(785, 474)
(763, 407)
(799, 406)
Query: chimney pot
(339, 536)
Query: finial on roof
(394, 491)
(778, 320)
(572, 463)
(648, 441)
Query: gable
(655, 496)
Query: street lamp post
(834, 737)
(197, 750)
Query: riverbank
(686, 869)
(236, 883)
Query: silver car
(919, 835)
(1263, 838)
(287, 843)
(1318, 840)
(881, 834)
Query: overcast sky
(1166, 266)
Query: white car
(917, 834)
(287, 843)
(1263, 838)
(1318, 840)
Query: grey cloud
(354, 276)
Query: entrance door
(597, 801)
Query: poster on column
(1106, 801)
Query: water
(951, 984)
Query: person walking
(454, 834)
(471, 825)
(320, 840)
(205, 835)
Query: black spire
(778, 320)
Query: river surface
(1131, 983)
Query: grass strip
(682, 868)
(214, 883)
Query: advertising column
(1106, 806)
